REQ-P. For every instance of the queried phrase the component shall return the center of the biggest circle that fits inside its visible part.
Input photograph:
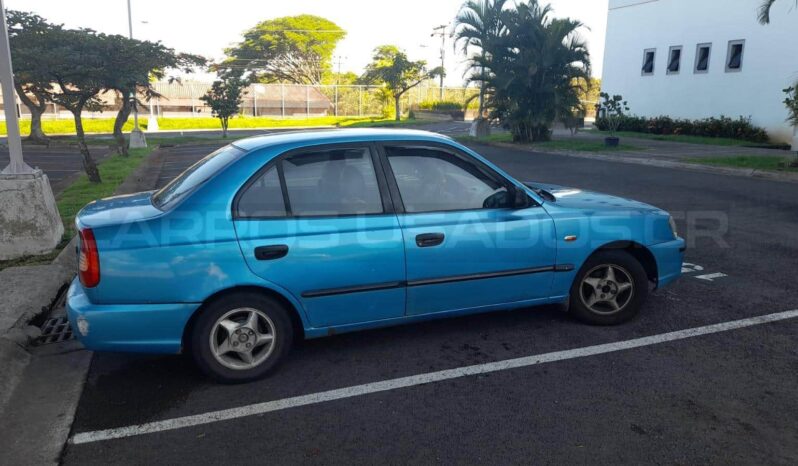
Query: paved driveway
(723, 395)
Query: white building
(702, 58)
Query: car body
(347, 230)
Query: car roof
(332, 136)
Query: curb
(729, 171)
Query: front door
(318, 224)
(465, 247)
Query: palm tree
(764, 10)
(535, 71)
(477, 25)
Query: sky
(207, 28)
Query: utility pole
(338, 59)
(137, 138)
(441, 31)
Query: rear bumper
(142, 328)
(669, 257)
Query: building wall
(770, 59)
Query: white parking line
(420, 379)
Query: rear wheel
(241, 338)
(610, 289)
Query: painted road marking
(420, 379)
(690, 268)
(711, 276)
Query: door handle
(429, 239)
(267, 253)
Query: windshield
(195, 175)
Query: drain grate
(54, 330)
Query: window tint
(675, 60)
(702, 58)
(735, 58)
(336, 182)
(648, 61)
(263, 198)
(431, 180)
(195, 175)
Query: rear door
(320, 224)
(465, 248)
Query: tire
(224, 329)
(616, 301)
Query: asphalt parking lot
(60, 164)
(722, 397)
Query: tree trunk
(89, 166)
(397, 107)
(225, 122)
(36, 109)
(121, 119)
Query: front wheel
(241, 338)
(609, 289)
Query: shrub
(440, 106)
(720, 127)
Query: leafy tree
(79, 63)
(292, 49)
(765, 9)
(391, 67)
(32, 40)
(132, 66)
(225, 97)
(534, 71)
(478, 25)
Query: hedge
(721, 127)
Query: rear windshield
(194, 176)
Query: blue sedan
(308, 234)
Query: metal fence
(276, 100)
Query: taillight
(88, 259)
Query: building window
(648, 61)
(674, 60)
(702, 54)
(734, 59)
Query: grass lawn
(113, 171)
(106, 125)
(764, 162)
(678, 138)
(380, 123)
(576, 145)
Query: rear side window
(195, 175)
(263, 198)
(335, 182)
(431, 180)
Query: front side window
(648, 62)
(195, 175)
(334, 182)
(734, 62)
(431, 180)
(702, 58)
(675, 60)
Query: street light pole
(17, 165)
(137, 138)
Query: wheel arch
(293, 311)
(641, 253)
